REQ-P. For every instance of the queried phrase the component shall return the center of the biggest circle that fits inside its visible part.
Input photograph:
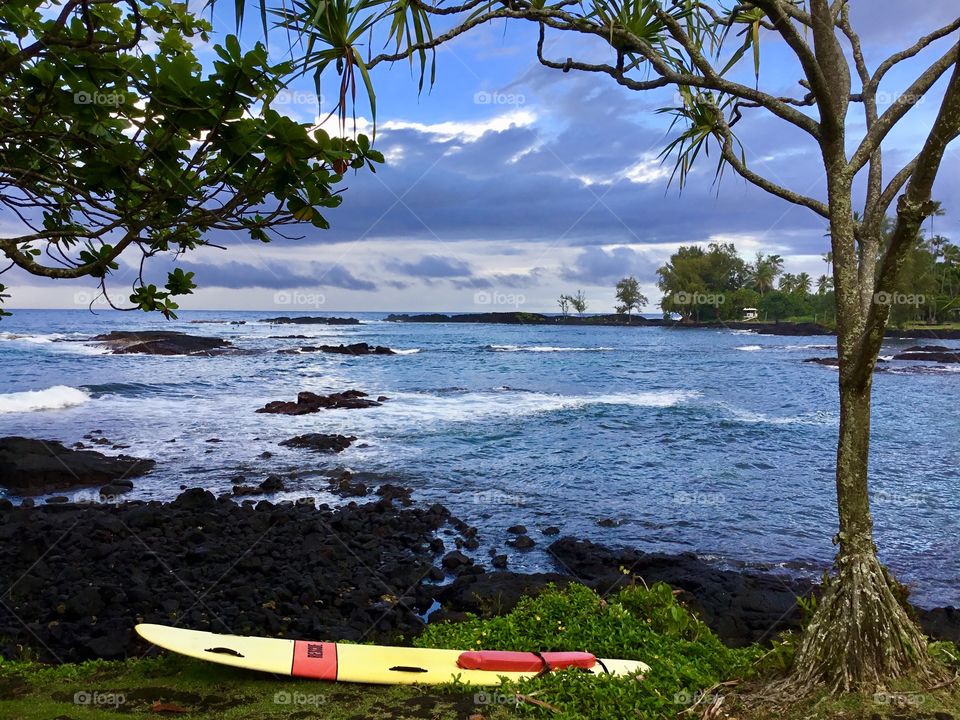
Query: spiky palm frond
(704, 117)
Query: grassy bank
(690, 668)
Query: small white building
(751, 313)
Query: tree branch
(921, 44)
(913, 207)
(730, 155)
(893, 114)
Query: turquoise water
(717, 442)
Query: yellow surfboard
(376, 664)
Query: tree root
(861, 635)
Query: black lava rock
(34, 467)
(320, 442)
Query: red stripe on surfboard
(316, 660)
(524, 661)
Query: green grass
(686, 659)
(168, 685)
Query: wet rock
(308, 402)
(389, 491)
(114, 489)
(353, 349)
(33, 467)
(499, 562)
(345, 485)
(161, 342)
(320, 442)
(517, 529)
(273, 483)
(830, 361)
(552, 530)
(195, 499)
(246, 490)
(940, 355)
(312, 320)
(609, 522)
(454, 560)
(521, 542)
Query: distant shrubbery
(717, 284)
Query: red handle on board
(509, 661)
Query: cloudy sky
(510, 183)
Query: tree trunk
(861, 634)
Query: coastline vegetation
(717, 284)
(692, 674)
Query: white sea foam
(56, 342)
(33, 339)
(419, 408)
(813, 347)
(750, 348)
(53, 398)
(819, 417)
(408, 351)
(545, 348)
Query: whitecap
(53, 398)
(419, 408)
(749, 348)
(544, 348)
(34, 339)
(409, 351)
(819, 417)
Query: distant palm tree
(828, 259)
(788, 283)
(802, 283)
(764, 272)
(824, 284)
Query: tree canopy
(116, 145)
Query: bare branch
(913, 207)
(740, 167)
(900, 107)
(921, 44)
(615, 72)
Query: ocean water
(712, 441)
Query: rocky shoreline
(761, 328)
(82, 575)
